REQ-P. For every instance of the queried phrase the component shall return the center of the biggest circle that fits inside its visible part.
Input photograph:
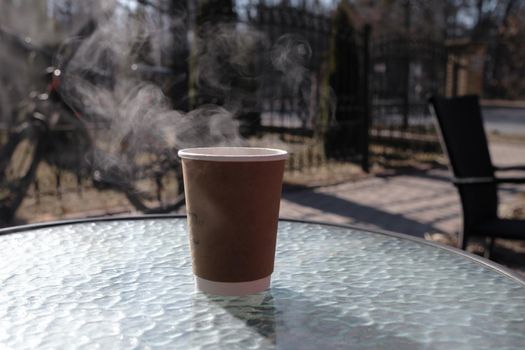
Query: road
(504, 120)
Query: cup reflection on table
(253, 317)
(232, 200)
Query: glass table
(127, 283)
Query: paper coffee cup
(232, 199)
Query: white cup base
(232, 288)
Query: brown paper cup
(232, 200)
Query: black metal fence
(313, 101)
(319, 113)
(404, 73)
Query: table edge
(480, 260)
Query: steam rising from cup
(290, 56)
(102, 81)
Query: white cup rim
(233, 154)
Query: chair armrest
(472, 180)
(510, 180)
(487, 180)
(509, 167)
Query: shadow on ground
(360, 214)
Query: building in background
(465, 67)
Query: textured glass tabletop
(126, 284)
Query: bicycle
(48, 127)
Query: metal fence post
(406, 73)
(365, 145)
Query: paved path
(411, 203)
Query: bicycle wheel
(155, 184)
(19, 159)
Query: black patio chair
(463, 139)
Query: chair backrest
(462, 132)
(463, 138)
